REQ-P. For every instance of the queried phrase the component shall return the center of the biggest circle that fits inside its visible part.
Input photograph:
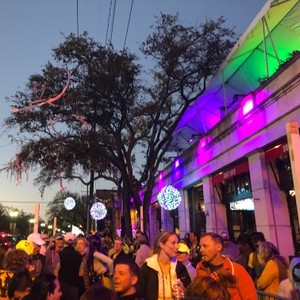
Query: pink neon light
(176, 163)
(247, 106)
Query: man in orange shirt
(211, 246)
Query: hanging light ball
(169, 198)
(98, 211)
(69, 203)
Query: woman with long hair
(160, 274)
(100, 266)
(275, 268)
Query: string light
(169, 198)
(98, 211)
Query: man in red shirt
(211, 246)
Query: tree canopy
(113, 121)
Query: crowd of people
(209, 266)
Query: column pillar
(183, 214)
(215, 211)
(271, 211)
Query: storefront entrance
(233, 187)
(242, 221)
(197, 209)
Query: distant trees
(76, 216)
(114, 122)
(21, 220)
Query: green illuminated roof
(247, 64)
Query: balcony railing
(267, 296)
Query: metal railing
(267, 296)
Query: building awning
(275, 152)
(252, 58)
(227, 174)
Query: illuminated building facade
(235, 173)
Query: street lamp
(31, 225)
(43, 225)
(50, 227)
(13, 213)
(12, 226)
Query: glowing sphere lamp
(169, 198)
(98, 211)
(69, 203)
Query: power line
(1, 146)
(110, 22)
(77, 18)
(113, 21)
(128, 23)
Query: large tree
(113, 111)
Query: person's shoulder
(271, 263)
(41, 257)
(238, 267)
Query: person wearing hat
(230, 249)
(69, 269)
(183, 255)
(37, 259)
(26, 246)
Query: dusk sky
(30, 29)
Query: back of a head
(42, 285)
(94, 242)
(21, 281)
(15, 260)
(257, 236)
(295, 270)
(97, 292)
(70, 238)
(142, 239)
(207, 288)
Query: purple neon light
(247, 106)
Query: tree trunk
(146, 207)
(126, 224)
(90, 203)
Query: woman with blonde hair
(161, 276)
(275, 268)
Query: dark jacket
(121, 257)
(148, 280)
(70, 261)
